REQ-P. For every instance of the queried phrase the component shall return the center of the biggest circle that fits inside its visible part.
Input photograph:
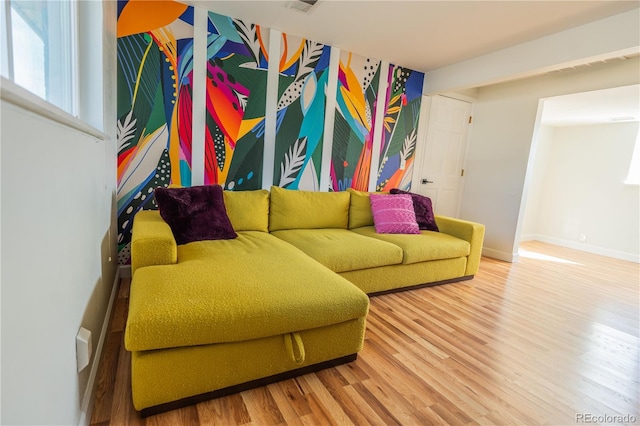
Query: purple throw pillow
(423, 209)
(195, 213)
(393, 214)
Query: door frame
(423, 126)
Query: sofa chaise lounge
(288, 295)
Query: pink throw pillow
(393, 214)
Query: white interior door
(442, 170)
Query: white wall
(504, 123)
(540, 157)
(582, 191)
(57, 198)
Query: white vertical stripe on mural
(198, 122)
(330, 114)
(378, 131)
(271, 109)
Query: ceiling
(614, 105)
(421, 35)
(425, 35)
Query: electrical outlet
(84, 347)
(583, 238)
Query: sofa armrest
(152, 242)
(469, 231)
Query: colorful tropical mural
(155, 73)
(358, 80)
(237, 65)
(154, 106)
(304, 70)
(402, 110)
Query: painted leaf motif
(312, 125)
(289, 58)
(388, 121)
(245, 171)
(343, 140)
(144, 160)
(141, 16)
(394, 181)
(405, 124)
(291, 94)
(249, 35)
(293, 161)
(243, 100)
(214, 151)
(222, 100)
(369, 75)
(148, 76)
(186, 62)
(309, 178)
(393, 101)
(131, 50)
(310, 55)
(125, 131)
(185, 115)
(214, 44)
(356, 95)
(405, 182)
(408, 147)
(308, 92)
(355, 92)
(360, 180)
(139, 61)
(225, 27)
(355, 112)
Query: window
(39, 41)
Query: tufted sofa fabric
(288, 295)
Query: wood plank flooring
(551, 340)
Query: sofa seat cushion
(423, 247)
(235, 290)
(341, 250)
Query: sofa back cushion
(359, 209)
(294, 209)
(248, 210)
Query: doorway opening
(578, 189)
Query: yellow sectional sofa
(289, 295)
(375, 263)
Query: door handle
(426, 181)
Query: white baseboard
(500, 255)
(589, 248)
(86, 408)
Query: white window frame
(82, 114)
(7, 47)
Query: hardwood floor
(551, 340)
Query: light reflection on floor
(538, 256)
